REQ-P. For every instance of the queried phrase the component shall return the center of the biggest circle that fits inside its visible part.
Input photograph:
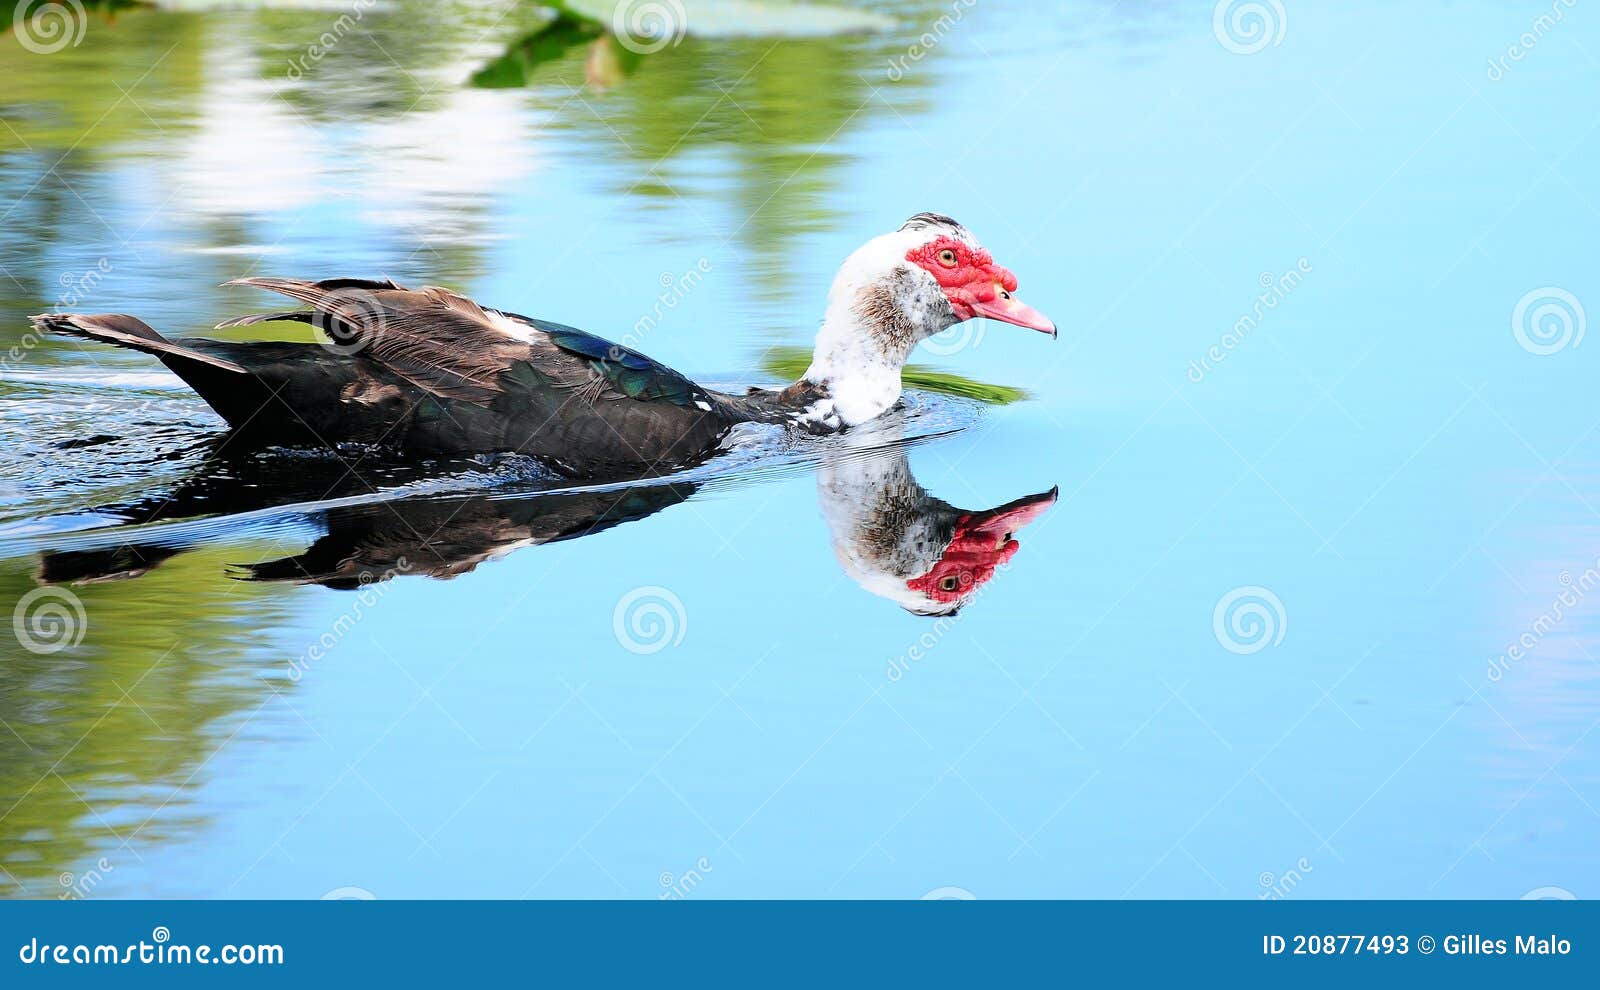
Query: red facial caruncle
(975, 285)
(969, 561)
(982, 542)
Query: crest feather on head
(928, 221)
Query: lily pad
(792, 362)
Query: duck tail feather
(124, 331)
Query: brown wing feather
(439, 341)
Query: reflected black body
(442, 538)
(890, 535)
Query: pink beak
(1015, 312)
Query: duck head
(891, 293)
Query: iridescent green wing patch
(631, 373)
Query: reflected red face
(982, 543)
(975, 285)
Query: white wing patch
(511, 328)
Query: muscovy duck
(429, 371)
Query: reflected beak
(1015, 312)
(982, 542)
(1005, 520)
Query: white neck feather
(879, 307)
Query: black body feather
(432, 372)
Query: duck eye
(950, 583)
(947, 258)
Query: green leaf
(791, 363)
(546, 43)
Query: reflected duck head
(982, 542)
(900, 543)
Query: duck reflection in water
(890, 535)
(899, 542)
